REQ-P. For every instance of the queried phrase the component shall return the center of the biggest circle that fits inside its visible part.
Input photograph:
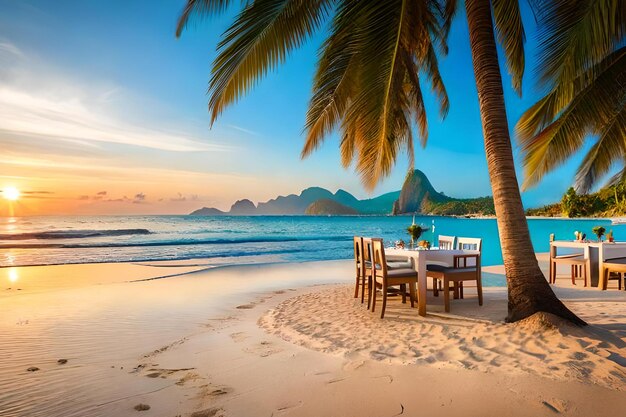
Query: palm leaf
(593, 109)
(608, 150)
(335, 80)
(376, 111)
(260, 38)
(573, 37)
(200, 8)
(510, 32)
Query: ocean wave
(177, 242)
(73, 234)
(234, 255)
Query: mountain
(383, 204)
(294, 204)
(416, 196)
(419, 196)
(328, 206)
(243, 207)
(207, 211)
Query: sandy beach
(289, 340)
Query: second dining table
(596, 253)
(420, 258)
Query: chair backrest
(446, 242)
(469, 243)
(367, 248)
(359, 260)
(379, 262)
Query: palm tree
(367, 86)
(583, 66)
(528, 289)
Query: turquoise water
(249, 239)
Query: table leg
(421, 285)
(603, 278)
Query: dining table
(595, 252)
(420, 258)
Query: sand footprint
(239, 337)
(288, 406)
(263, 349)
(213, 391)
(164, 373)
(209, 412)
(189, 376)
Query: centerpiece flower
(599, 232)
(415, 231)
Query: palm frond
(542, 113)
(609, 149)
(200, 8)
(593, 108)
(335, 80)
(574, 36)
(510, 32)
(379, 111)
(261, 37)
(450, 8)
(619, 177)
(416, 99)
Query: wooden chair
(385, 278)
(393, 262)
(469, 243)
(446, 242)
(359, 262)
(616, 267)
(577, 262)
(465, 268)
(463, 243)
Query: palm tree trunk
(529, 292)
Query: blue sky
(102, 110)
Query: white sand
(256, 341)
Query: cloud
(140, 198)
(241, 129)
(179, 199)
(37, 101)
(7, 48)
(36, 192)
(102, 193)
(74, 119)
(83, 197)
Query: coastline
(289, 339)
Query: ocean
(228, 240)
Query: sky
(104, 111)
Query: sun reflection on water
(13, 275)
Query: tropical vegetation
(607, 202)
(368, 87)
(480, 206)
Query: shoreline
(461, 216)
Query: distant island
(416, 196)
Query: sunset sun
(11, 193)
